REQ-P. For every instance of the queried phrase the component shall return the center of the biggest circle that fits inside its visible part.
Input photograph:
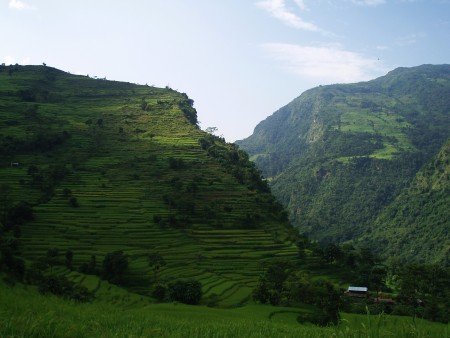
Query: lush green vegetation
(339, 155)
(25, 313)
(101, 177)
(422, 208)
(112, 199)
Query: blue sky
(240, 60)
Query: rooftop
(357, 288)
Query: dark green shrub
(67, 193)
(115, 267)
(62, 287)
(69, 259)
(185, 291)
(73, 202)
(176, 163)
(212, 300)
(159, 292)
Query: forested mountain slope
(416, 226)
(338, 155)
(110, 166)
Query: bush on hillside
(159, 292)
(281, 284)
(62, 287)
(185, 291)
(115, 267)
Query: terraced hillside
(338, 155)
(116, 166)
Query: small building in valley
(357, 291)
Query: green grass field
(25, 313)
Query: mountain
(111, 166)
(338, 155)
(415, 227)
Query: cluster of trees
(418, 290)
(114, 267)
(283, 284)
(424, 291)
(40, 272)
(235, 161)
(10, 261)
(41, 142)
(187, 291)
(176, 163)
(187, 107)
(47, 179)
(184, 291)
(10, 68)
(360, 265)
(60, 286)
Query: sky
(239, 60)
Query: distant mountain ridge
(338, 155)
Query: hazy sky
(240, 60)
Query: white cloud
(19, 5)
(279, 10)
(325, 64)
(382, 47)
(301, 5)
(369, 2)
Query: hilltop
(111, 166)
(338, 155)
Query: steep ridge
(415, 227)
(338, 155)
(114, 166)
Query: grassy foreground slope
(423, 208)
(25, 313)
(338, 155)
(117, 166)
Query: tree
(302, 244)
(67, 193)
(52, 256)
(32, 169)
(211, 130)
(91, 267)
(69, 259)
(115, 267)
(73, 202)
(144, 104)
(17, 268)
(159, 292)
(261, 291)
(332, 253)
(5, 202)
(156, 261)
(19, 214)
(187, 291)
